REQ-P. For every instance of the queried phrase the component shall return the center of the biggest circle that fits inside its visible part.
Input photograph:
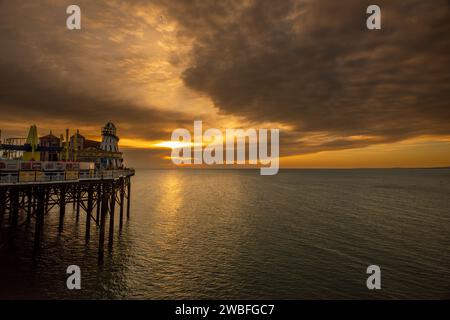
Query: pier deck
(94, 197)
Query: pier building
(54, 172)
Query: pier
(43, 175)
(94, 199)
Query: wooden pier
(94, 200)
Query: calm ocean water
(235, 234)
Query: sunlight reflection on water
(236, 234)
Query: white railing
(48, 177)
(8, 179)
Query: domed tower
(110, 144)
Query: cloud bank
(309, 66)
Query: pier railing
(34, 194)
(37, 176)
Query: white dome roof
(110, 125)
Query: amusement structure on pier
(41, 175)
(49, 158)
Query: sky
(341, 95)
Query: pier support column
(34, 201)
(89, 212)
(40, 207)
(128, 198)
(62, 207)
(14, 194)
(74, 197)
(47, 199)
(101, 240)
(2, 204)
(78, 199)
(111, 215)
(29, 203)
(122, 196)
(11, 205)
(99, 202)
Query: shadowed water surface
(236, 234)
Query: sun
(173, 144)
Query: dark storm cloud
(314, 65)
(25, 96)
(52, 75)
(28, 101)
(310, 65)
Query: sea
(234, 234)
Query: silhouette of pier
(93, 198)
